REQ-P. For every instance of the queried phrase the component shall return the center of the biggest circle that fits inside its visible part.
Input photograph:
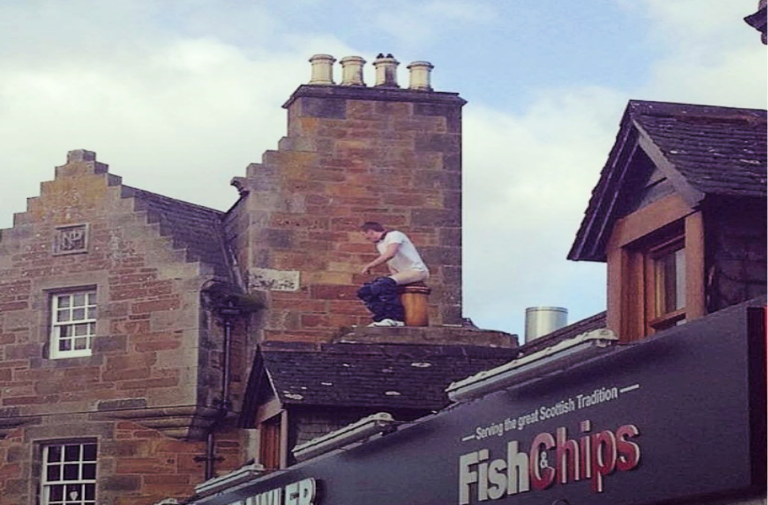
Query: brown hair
(372, 225)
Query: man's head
(372, 231)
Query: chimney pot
(322, 69)
(352, 71)
(386, 71)
(420, 75)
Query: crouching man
(405, 267)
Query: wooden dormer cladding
(635, 253)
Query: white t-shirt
(407, 257)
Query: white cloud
(173, 113)
(527, 184)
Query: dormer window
(678, 215)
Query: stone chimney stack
(352, 153)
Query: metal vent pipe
(540, 321)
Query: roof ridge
(690, 112)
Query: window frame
(56, 326)
(48, 486)
(657, 317)
(652, 226)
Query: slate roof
(386, 376)
(704, 151)
(197, 229)
(719, 150)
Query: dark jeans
(380, 297)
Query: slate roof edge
(584, 247)
(174, 200)
(216, 219)
(378, 348)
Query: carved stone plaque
(71, 239)
(273, 280)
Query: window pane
(670, 282)
(57, 493)
(89, 452)
(89, 471)
(54, 453)
(78, 299)
(63, 301)
(81, 343)
(81, 329)
(91, 298)
(91, 312)
(65, 345)
(72, 453)
(73, 492)
(680, 279)
(90, 491)
(62, 315)
(53, 473)
(70, 472)
(78, 314)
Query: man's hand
(387, 255)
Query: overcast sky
(179, 96)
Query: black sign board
(672, 417)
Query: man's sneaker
(387, 322)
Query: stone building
(130, 322)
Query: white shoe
(387, 322)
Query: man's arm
(387, 255)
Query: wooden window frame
(667, 221)
(656, 318)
